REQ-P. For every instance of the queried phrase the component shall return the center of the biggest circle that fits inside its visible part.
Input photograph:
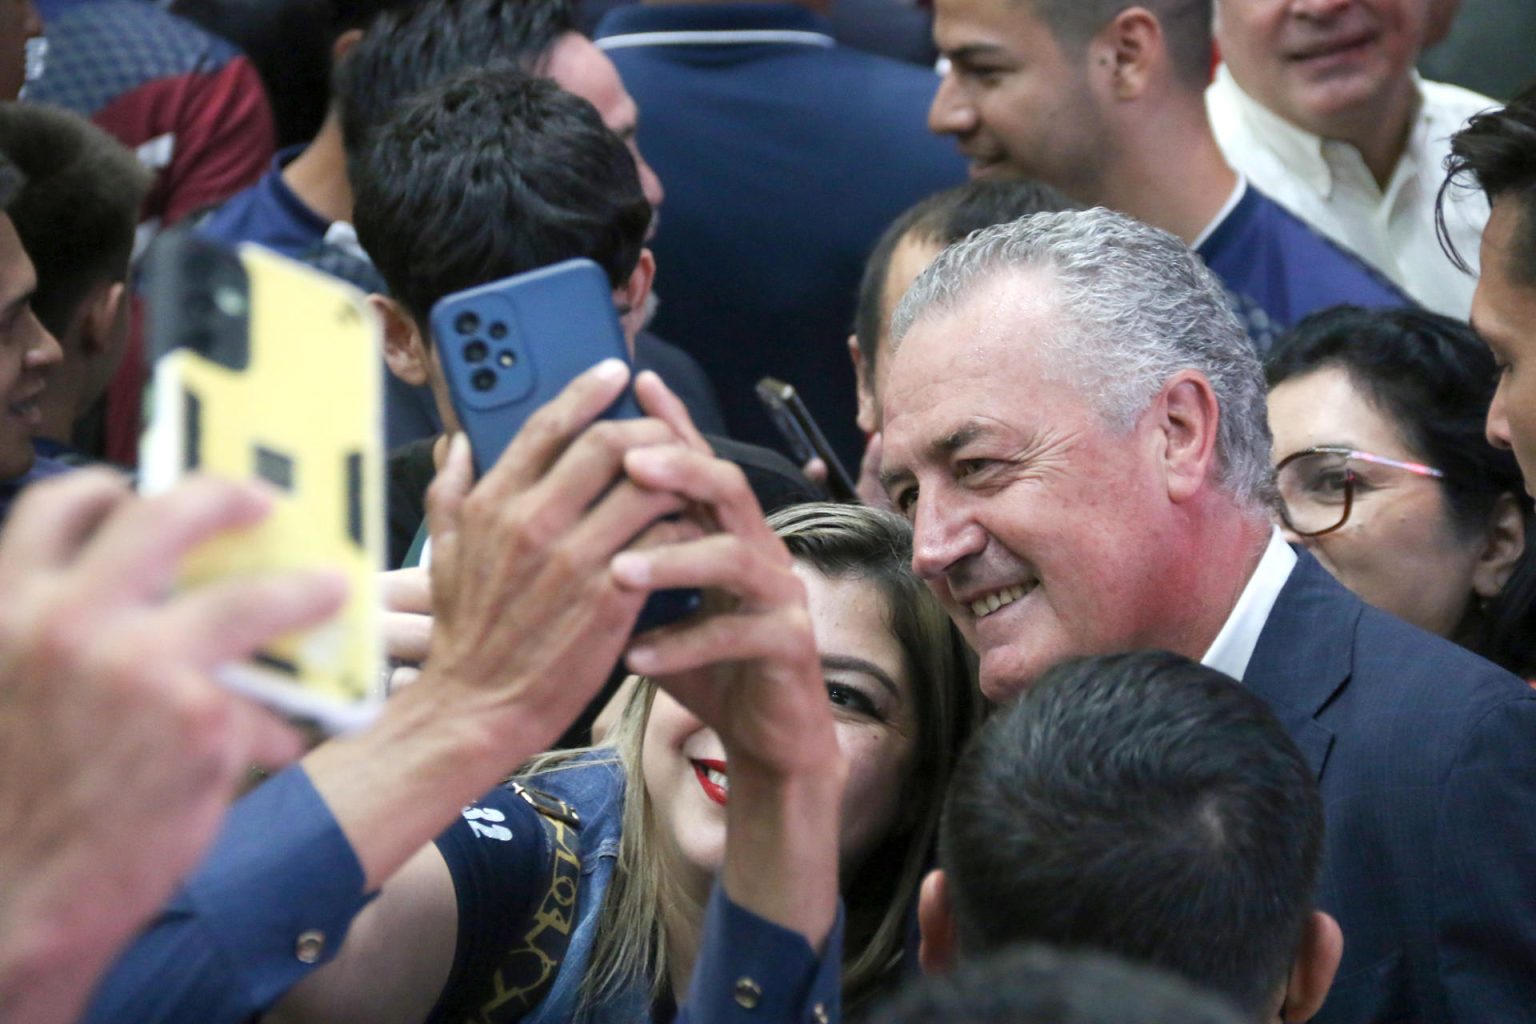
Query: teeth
(992, 602)
(718, 778)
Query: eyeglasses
(1317, 485)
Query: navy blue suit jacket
(1426, 758)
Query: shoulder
(1453, 104)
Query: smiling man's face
(1017, 102)
(27, 350)
(1324, 65)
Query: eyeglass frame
(1416, 468)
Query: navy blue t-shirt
(1280, 270)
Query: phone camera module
(505, 359)
(476, 351)
(466, 323)
(483, 380)
(497, 330)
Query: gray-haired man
(1075, 426)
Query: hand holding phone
(509, 347)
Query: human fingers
(406, 590)
(735, 637)
(718, 485)
(592, 464)
(815, 469)
(758, 575)
(548, 432)
(137, 551)
(626, 514)
(52, 519)
(407, 636)
(662, 402)
(233, 618)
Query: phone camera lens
(475, 352)
(466, 323)
(497, 330)
(505, 359)
(483, 380)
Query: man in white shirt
(1317, 102)
(1075, 426)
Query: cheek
(877, 767)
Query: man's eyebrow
(944, 446)
(849, 663)
(9, 307)
(976, 51)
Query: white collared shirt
(1326, 183)
(1233, 647)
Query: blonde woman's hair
(845, 542)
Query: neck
(1381, 134)
(318, 175)
(1172, 175)
(1228, 544)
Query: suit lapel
(1304, 655)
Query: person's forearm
(782, 847)
(396, 785)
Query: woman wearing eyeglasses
(1385, 474)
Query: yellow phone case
(305, 414)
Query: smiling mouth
(713, 780)
(1334, 49)
(985, 606)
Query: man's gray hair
(1137, 306)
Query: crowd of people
(1175, 663)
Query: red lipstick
(713, 790)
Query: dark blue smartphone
(511, 346)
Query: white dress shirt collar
(1233, 647)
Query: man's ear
(869, 413)
(102, 325)
(1503, 544)
(936, 920)
(1128, 53)
(636, 294)
(1188, 416)
(343, 45)
(1317, 961)
(405, 352)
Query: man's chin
(1002, 678)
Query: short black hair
(1186, 28)
(79, 208)
(411, 47)
(1040, 985)
(12, 181)
(943, 219)
(1142, 805)
(489, 174)
(1434, 379)
(1496, 152)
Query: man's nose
(951, 112)
(943, 535)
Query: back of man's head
(412, 47)
(78, 212)
(491, 173)
(1040, 985)
(1185, 29)
(1143, 805)
(1496, 154)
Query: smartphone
(804, 437)
(511, 346)
(265, 368)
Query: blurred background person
(75, 216)
(1386, 477)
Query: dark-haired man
(1103, 99)
(27, 352)
(1145, 806)
(1496, 154)
(76, 218)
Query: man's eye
(904, 500)
(970, 467)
